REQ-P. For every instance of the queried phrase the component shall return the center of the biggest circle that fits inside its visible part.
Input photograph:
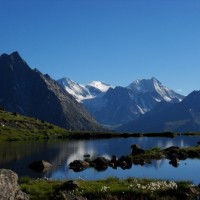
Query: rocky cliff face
(31, 93)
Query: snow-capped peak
(103, 87)
(75, 89)
(82, 92)
(154, 86)
(144, 85)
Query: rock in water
(78, 165)
(101, 163)
(9, 187)
(40, 165)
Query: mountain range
(144, 105)
(29, 92)
(179, 117)
(115, 106)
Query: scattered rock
(172, 148)
(174, 162)
(69, 185)
(40, 165)
(135, 146)
(136, 150)
(9, 187)
(101, 163)
(171, 152)
(125, 162)
(78, 165)
(113, 162)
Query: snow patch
(103, 87)
(83, 92)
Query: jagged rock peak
(14, 55)
(12, 58)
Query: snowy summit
(81, 92)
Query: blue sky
(115, 41)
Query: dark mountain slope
(31, 93)
(179, 117)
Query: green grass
(38, 189)
(113, 187)
(17, 127)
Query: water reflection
(18, 155)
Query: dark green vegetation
(109, 189)
(17, 127)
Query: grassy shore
(110, 189)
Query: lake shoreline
(109, 189)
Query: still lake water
(18, 155)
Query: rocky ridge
(31, 93)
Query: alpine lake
(60, 153)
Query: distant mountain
(179, 117)
(31, 93)
(119, 105)
(82, 92)
(155, 89)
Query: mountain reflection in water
(18, 155)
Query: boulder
(136, 149)
(135, 146)
(172, 149)
(78, 165)
(101, 163)
(113, 162)
(69, 185)
(9, 187)
(174, 162)
(125, 162)
(40, 165)
(171, 152)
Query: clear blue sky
(115, 41)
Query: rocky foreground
(9, 187)
(109, 189)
